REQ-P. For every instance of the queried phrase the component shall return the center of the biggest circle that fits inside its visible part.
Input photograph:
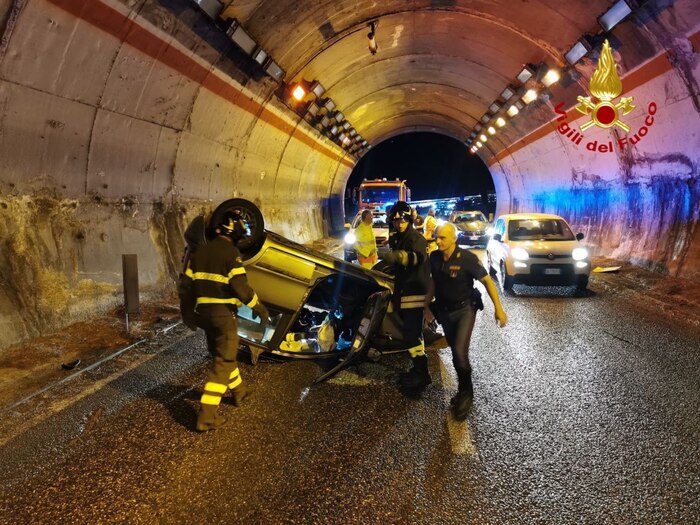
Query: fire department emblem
(605, 85)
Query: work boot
(462, 401)
(209, 419)
(240, 394)
(417, 377)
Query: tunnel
(122, 120)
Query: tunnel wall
(114, 133)
(639, 202)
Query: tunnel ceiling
(439, 66)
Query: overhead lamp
(483, 138)
(478, 144)
(472, 134)
(613, 16)
(352, 132)
(313, 109)
(241, 38)
(519, 104)
(211, 8)
(525, 74)
(493, 108)
(512, 111)
(579, 50)
(339, 117)
(491, 130)
(364, 143)
(274, 70)
(317, 89)
(485, 119)
(325, 121)
(508, 92)
(298, 92)
(260, 55)
(333, 130)
(342, 137)
(346, 125)
(477, 127)
(328, 104)
(529, 96)
(500, 122)
(550, 77)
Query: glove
(395, 257)
(261, 311)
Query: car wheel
(253, 219)
(582, 282)
(489, 264)
(507, 281)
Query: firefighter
(429, 230)
(215, 285)
(365, 243)
(453, 272)
(408, 253)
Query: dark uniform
(412, 276)
(215, 281)
(454, 305)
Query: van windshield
(534, 229)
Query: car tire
(489, 264)
(507, 281)
(582, 283)
(253, 218)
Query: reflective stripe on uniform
(233, 374)
(253, 301)
(208, 399)
(413, 298)
(233, 384)
(215, 387)
(412, 301)
(215, 277)
(216, 300)
(417, 350)
(409, 306)
(236, 271)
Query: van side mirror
(497, 237)
(579, 236)
(347, 225)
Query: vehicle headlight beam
(520, 254)
(579, 254)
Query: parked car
(320, 306)
(380, 227)
(472, 226)
(537, 248)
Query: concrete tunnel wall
(110, 144)
(121, 120)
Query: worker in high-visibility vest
(429, 230)
(212, 289)
(365, 242)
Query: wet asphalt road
(585, 412)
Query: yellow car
(537, 249)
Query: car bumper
(561, 273)
(472, 240)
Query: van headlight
(520, 254)
(350, 238)
(579, 254)
(489, 231)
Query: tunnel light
(525, 74)
(512, 111)
(472, 134)
(352, 132)
(260, 55)
(485, 119)
(313, 109)
(519, 104)
(613, 16)
(529, 96)
(491, 130)
(274, 70)
(241, 38)
(317, 89)
(333, 130)
(500, 122)
(329, 104)
(579, 50)
(477, 127)
(493, 108)
(346, 125)
(212, 8)
(483, 138)
(507, 93)
(551, 77)
(473, 149)
(478, 144)
(339, 117)
(299, 92)
(325, 121)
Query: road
(586, 411)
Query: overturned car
(320, 306)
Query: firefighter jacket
(215, 276)
(365, 243)
(412, 279)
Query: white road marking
(460, 434)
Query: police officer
(215, 284)
(453, 271)
(409, 256)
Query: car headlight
(520, 254)
(579, 254)
(489, 231)
(350, 238)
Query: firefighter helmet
(401, 211)
(232, 226)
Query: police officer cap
(401, 211)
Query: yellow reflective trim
(208, 399)
(215, 300)
(236, 271)
(418, 350)
(215, 387)
(233, 374)
(412, 298)
(235, 383)
(189, 272)
(409, 306)
(253, 301)
(204, 276)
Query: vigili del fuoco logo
(605, 86)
